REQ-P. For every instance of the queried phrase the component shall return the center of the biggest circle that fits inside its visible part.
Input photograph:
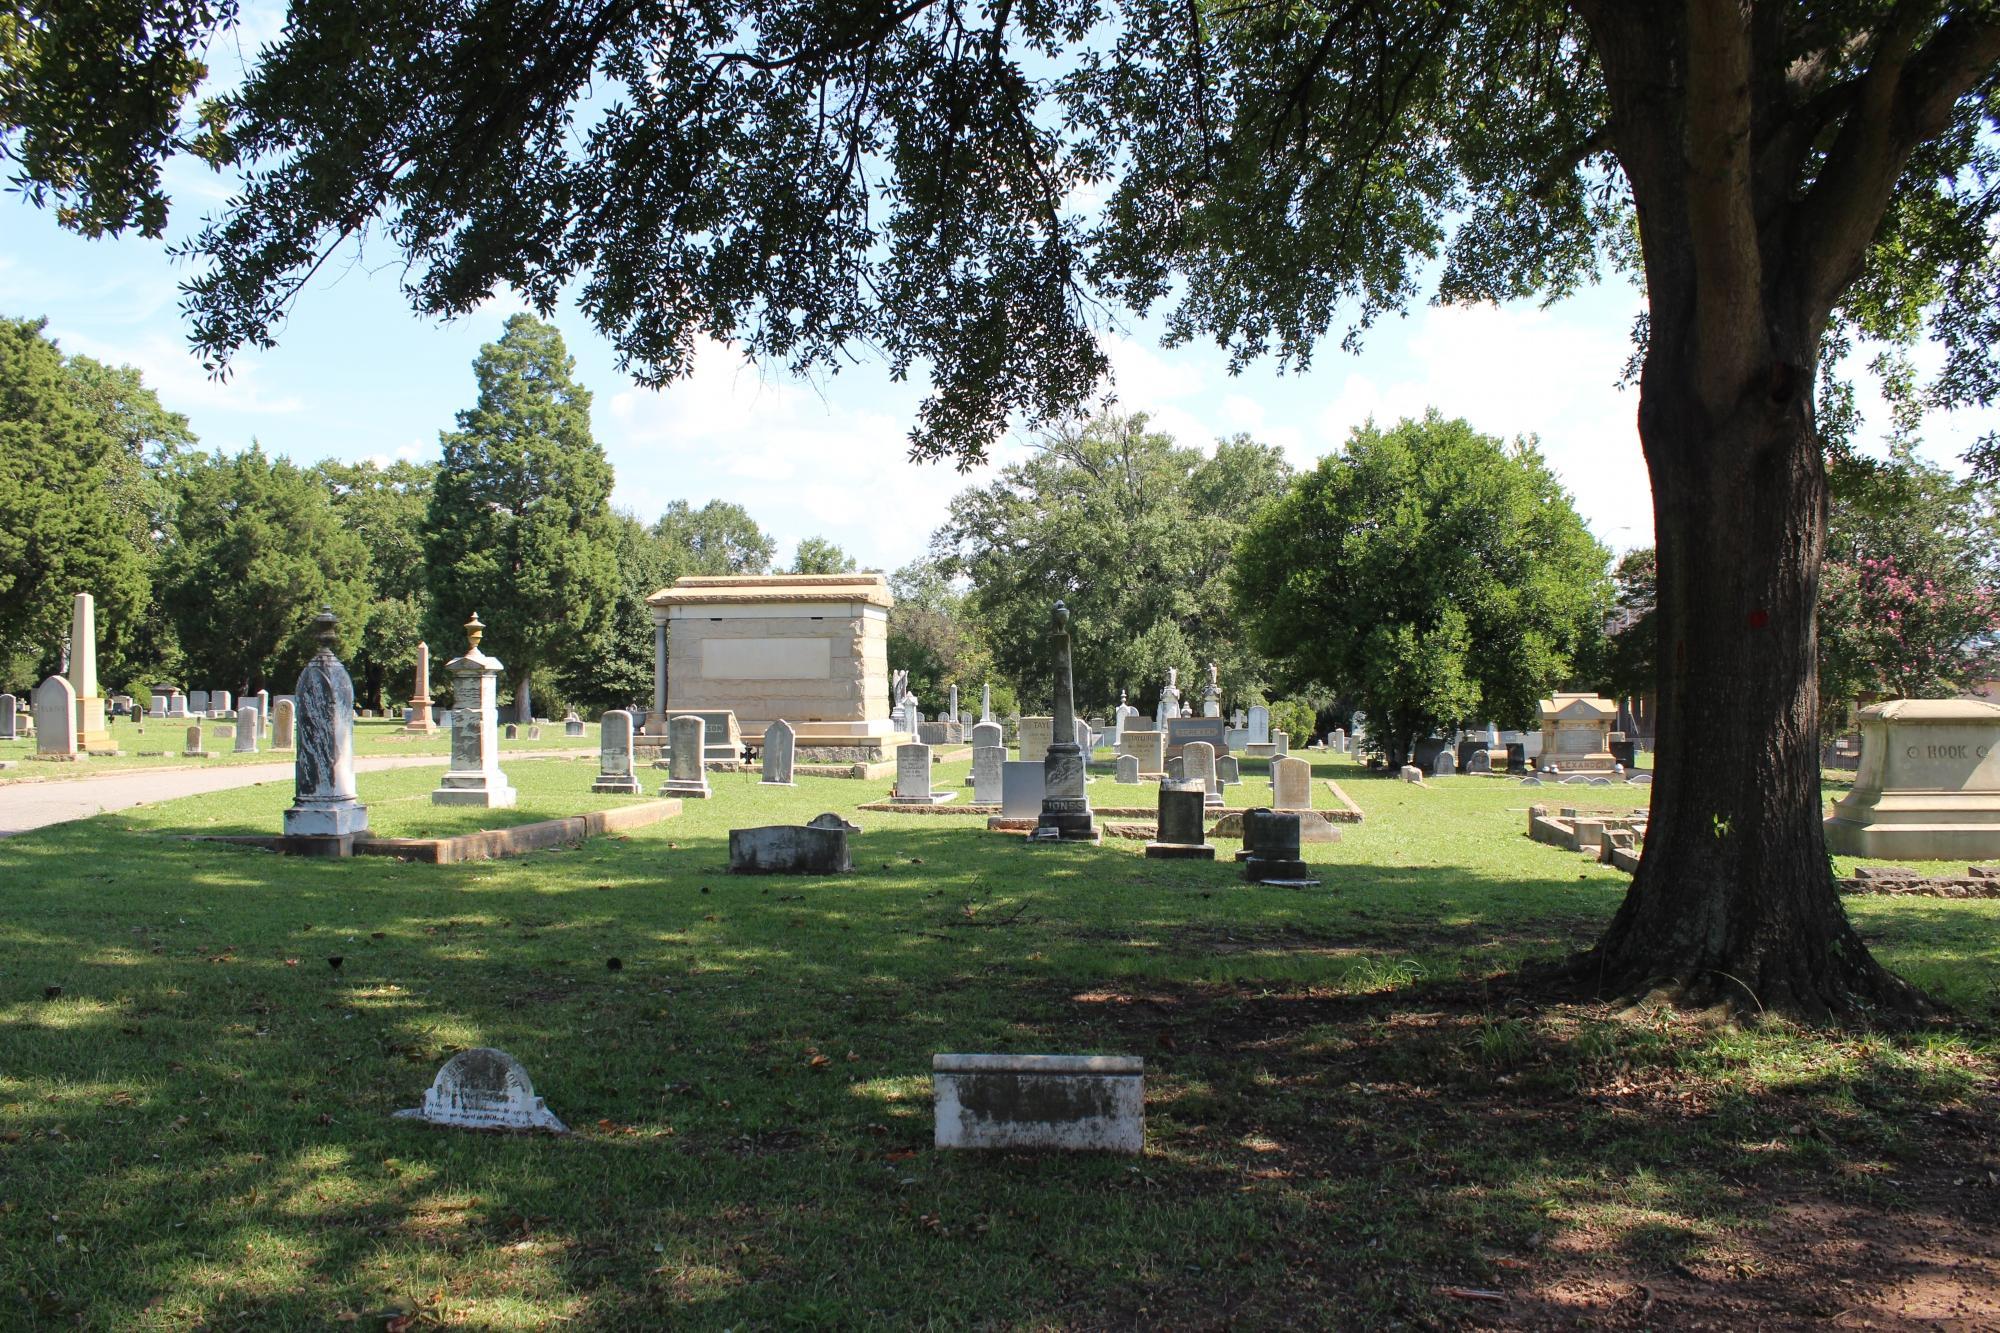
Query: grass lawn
(1355, 1115)
(372, 736)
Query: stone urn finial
(474, 629)
(325, 627)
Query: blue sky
(356, 375)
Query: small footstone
(485, 1088)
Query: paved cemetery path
(33, 805)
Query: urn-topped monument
(325, 814)
(474, 777)
(1065, 813)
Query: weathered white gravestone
(474, 777)
(1198, 765)
(1259, 723)
(1128, 768)
(282, 715)
(91, 733)
(198, 703)
(687, 775)
(219, 703)
(1037, 733)
(55, 719)
(157, 705)
(10, 727)
(913, 777)
(192, 747)
(1228, 770)
(485, 1088)
(986, 769)
(614, 754)
(324, 815)
(1291, 784)
(247, 727)
(1149, 747)
(779, 746)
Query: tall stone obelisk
(91, 733)
(420, 701)
(325, 813)
(1065, 804)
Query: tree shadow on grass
(1334, 1137)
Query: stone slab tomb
(817, 848)
(485, 1088)
(1066, 1103)
(1928, 787)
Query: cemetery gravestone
(1445, 765)
(1228, 770)
(90, 729)
(779, 746)
(1281, 743)
(420, 699)
(485, 1088)
(474, 776)
(1181, 835)
(687, 773)
(324, 815)
(1273, 836)
(1177, 769)
(219, 703)
(1128, 768)
(614, 755)
(1065, 816)
(281, 724)
(1037, 734)
(55, 720)
(10, 729)
(157, 705)
(1259, 723)
(1198, 765)
(1020, 789)
(247, 729)
(1090, 1103)
(816, 848)
(913, 777)
(197, 702)
(572, 724)
(987, 764)
(191, 748)
(513, 731)
(1291, 784)
(1149, 748)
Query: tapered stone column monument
(474, 777)
(325, 815)
(91, 733)
(1065, 804)
(420, 701)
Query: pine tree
(519, 527)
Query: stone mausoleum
(812, 649)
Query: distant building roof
(701, 590)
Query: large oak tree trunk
(1734, 902)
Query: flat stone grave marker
(485, 1088)
(1066, 1103)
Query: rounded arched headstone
(485, 1088)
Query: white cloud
(803, 464)
(171, 370)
